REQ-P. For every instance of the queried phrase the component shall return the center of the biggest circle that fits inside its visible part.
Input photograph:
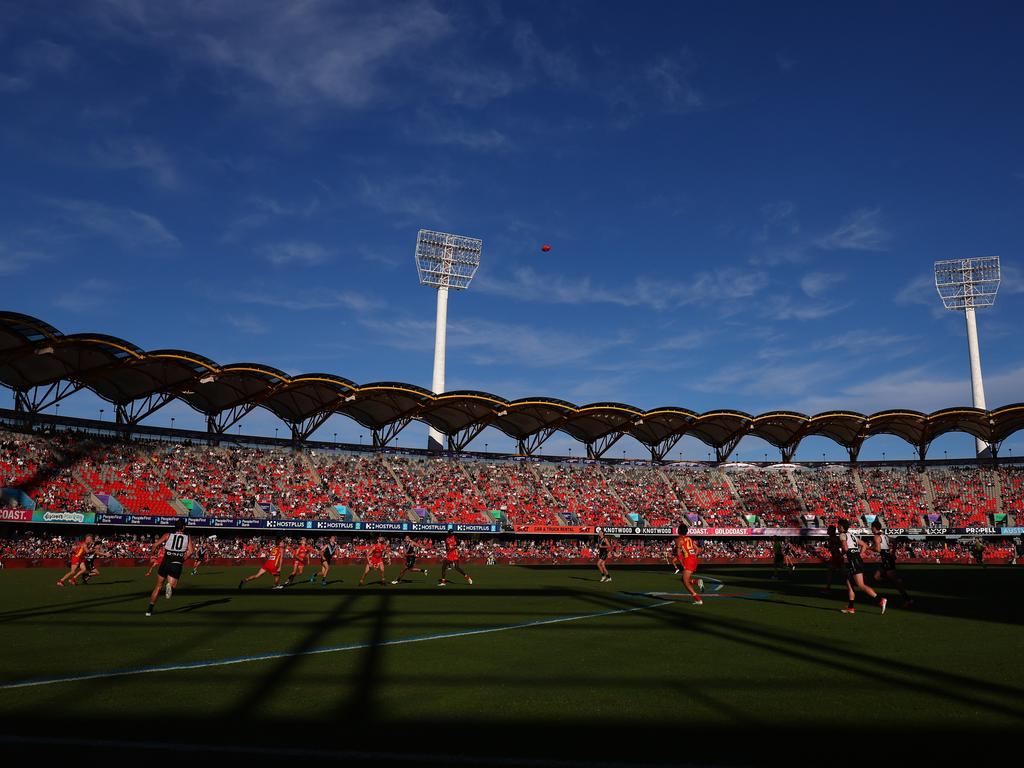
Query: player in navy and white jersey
(604, 549)
(201, 556)
(177, 548)
(328, 552)
(854, 548)
(887, 557)
(410, 560)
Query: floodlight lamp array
(447, 261)
(967, 283)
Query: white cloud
(137, 153)
(490, 343)
(15, 260)
(310, 300)
(556, 66)
(788, 308)
(859, 231)
(126, 226)
(672, 77)
(13, 83)
(814, 284)
(247, 324)
(725, 284)
(45, 56)
(920, 389)
(447, 130)
(311, 52)
(295, 253)
(408, 198)
(88, 297)
(693, 339)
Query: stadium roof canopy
(43, 366)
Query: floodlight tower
(444, 262)
(965, 285)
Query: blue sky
(743, 199)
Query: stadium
(701, 475)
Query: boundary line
(189, 665)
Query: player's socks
(241, 583)
(882, 603)
(168, 590)
(149, 611)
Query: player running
(200, 557)
(302, 554)
(854, 548)
(410, 561)
(91, 569)
(78, 567)
(887, 567)
(604, 548)
(451, 560)
(672, 558)
(376, 554)
(154, 561)
(835, 561)
(687, 551)
(177, 547)
(327, 554)
(271, 565)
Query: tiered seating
(896, 494)
(966, 495)
(514, 489)
(770, 495)
(364, 485)
(705, 493)
(39, 467)
(1011, 485)
(123, 471)
(442, 487)
(225, 481)
(581, 491)
(830, 495)
(644, 492)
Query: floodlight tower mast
(966, 285)
(444, 262)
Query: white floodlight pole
(444, 262)
(968, 285)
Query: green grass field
(572, 669)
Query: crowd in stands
(706, 493)
(581, 492)
(898, 495)
(65, 472)
(771, 495)
(966, 495)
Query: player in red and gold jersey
(155, 560)
(687, 551)
(376, 554)
(271, 565)
(451, 560)
(78, 554)
(302, 554)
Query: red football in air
(545, 248)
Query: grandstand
(63, 471)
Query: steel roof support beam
(301, 430)
(532, 444)
(464, 437)
(789, 451)
(660, 450)
(137, 410)
(382, 437)
(599, 447)
(220, 422)
(38, 399)
(725, 450)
